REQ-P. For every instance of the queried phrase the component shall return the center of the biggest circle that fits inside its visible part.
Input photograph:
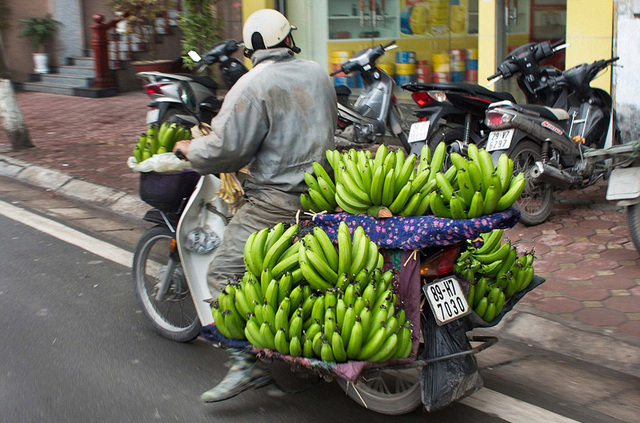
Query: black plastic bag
(449, 380)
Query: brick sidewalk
(591, 267)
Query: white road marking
(511, 409)
(485, 400)
(66, 234)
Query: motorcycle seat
(202, 80)
(461, 87)
(550, 113)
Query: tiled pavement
(591, 268)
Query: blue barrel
(405, 57)
(405, 79)
(457, 76)
(472, 64)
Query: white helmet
(264, 29)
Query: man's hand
(181, 149)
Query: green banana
(403, 196)
(327, 246)
(386, 350)
(388, 188)
(280, 341)
(377, 184)
(308, 204)
(438, 206)
(295, 348)
(481, 308)
(320, 172)
(373, 344)
(437, 160)
(337, 347)
(405, 172)
(344, 248)
(268, 337)
(512, 194)
(355, 340)
(476, 206)
(500, 254)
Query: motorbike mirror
(193, 55)
(188, 98)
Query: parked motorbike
(375, 112)
(559, 148)
(170, 281)
(454, 112)
(163, 87)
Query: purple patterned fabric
(414, 232)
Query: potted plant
(140, 17)
(201, 26)
(41, 32)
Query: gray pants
(227, 263)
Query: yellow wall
(590, 33)
(486, 40)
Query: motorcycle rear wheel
(536, 201)
(392, 392)
(174, 317)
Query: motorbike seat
(550, 113)
(462, 87)
(202, 80)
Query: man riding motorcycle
(277, 119)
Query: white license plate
(447, 300)
(500, 140)
(419, 131)
(152, 116)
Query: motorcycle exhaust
(543, 173)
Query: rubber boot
(246, 372)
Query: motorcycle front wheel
(174, 315)
(392, 392)
(536, 201)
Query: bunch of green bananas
(368, 184)
(312, 300)
(496, 272)
(159, 140)
(325, 268)
(473, 187)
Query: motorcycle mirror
(193, 55)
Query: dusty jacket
(278, 118)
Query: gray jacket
(278, 118)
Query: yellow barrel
(405, 68)
(388, 68)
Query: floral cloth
(414, 232)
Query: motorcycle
(454, 112)
(375, 112)
(163, 88)
(559, 148)
(170, 281)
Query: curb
(571, 339)
(61, 183)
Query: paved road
(76, 348)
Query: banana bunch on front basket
(393, 184)
(311, 300)
(495, 271)
(159, 140)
